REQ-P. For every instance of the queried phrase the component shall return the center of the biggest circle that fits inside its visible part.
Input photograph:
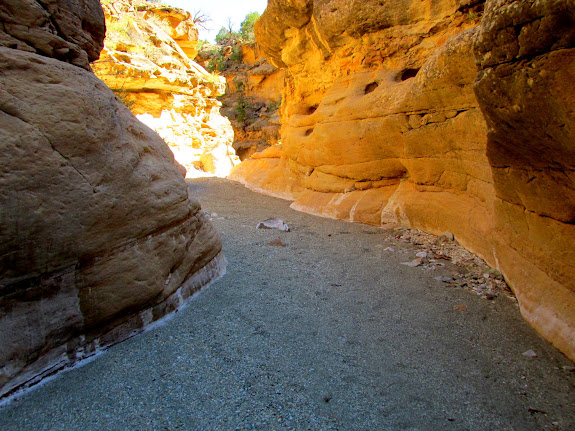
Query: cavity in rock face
(440, 117)
(148, 62)
(99, 235)
(370, 87)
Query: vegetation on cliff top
(226, 53)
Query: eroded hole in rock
(311, 109)
(370, 87)
(408, 74)
(244, 153)
(308, 132)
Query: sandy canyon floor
(327, 332)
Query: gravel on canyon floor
(320, 328)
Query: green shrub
(227, 37)
(217, 63)
(200, 44)
(236, 55)
(274, 106)
(247, 27)
(240, 109)
(474, 15)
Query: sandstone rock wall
(409, 112)
(148, 62)
(99, 235)
(526, 89)
(252, 101)
(72, 34)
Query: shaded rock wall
(410, 113)
(72, 34)
(99, 235)
(252, 101)
(148, 62)
(526, 89)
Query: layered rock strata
(148, 61)
(252, 101)
(526, 89)
(99, 235)
(410, 113)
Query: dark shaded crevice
(244, 153)
(53, 23)
(369, 88)
(474, 6)
(408, 74)
(31, 287)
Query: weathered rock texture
(407, 112)
(98, 233)
(252, 100)
(72, 34)
(148, 62)
(526, 88)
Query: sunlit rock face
(148, 62)
(366, 84)
(99, 235)
(438, 115)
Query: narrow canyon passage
(329, 332)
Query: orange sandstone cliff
(453, 115)
(148, 60)
(99, 235)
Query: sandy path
(326, 333)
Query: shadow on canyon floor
(328, 331)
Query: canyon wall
(148, 61)
(99, 235)
(252, 101)
(526, 89)
(451, 115)
(253, 93)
